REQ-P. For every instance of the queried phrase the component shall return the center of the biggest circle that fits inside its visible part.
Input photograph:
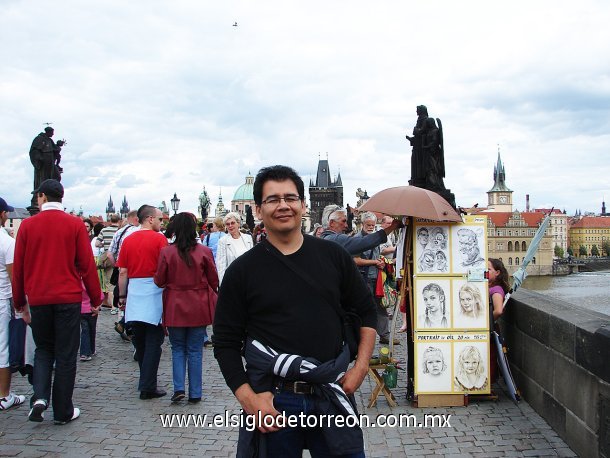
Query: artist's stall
(441, 261)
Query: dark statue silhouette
(45, 156)
(428, 155)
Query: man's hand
(353, 378)
(380, 264)
(95, 310)
(253, 403)
(25, 314)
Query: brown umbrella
(411, 201)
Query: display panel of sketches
(432, 303)
(468, 248)
(450, 362)
(469, 305)
(433, 367)
(431, 249)
(471, 367)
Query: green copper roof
(245, 191)
(499, 177)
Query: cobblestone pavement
(115, 422)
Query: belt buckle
(299, 387)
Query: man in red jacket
(52, 254)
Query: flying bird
(235, 24)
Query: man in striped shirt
(103, 241)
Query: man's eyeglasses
(275, 200)
(160, 218)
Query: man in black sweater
(263, 301)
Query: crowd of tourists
(263, 289)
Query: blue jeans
(187, 348)
(88, 323)
(290, 442)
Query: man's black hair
(145, 211)
(276, 173)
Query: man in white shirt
(7, 250)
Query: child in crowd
(88, 325)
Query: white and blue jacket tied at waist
(265, 368)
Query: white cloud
(170, 98)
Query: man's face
(386, 222)
(88, 226)
(339, 224)
(3, 218)
(368, 226)
(283, 217)
(157, 220)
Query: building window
(516, 246)
(523, 246)
(510, 261)
(517, 261)
(534, 260)
(500, 259)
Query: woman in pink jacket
(187, 272)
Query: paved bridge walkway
(115, 422)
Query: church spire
(499, 176)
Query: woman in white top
(230, 248)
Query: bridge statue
(204, 205)
(45, 156)
(428, 155)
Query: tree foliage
(594, 250)
(582, 250)
(558, 251)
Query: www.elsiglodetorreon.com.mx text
(237, 419)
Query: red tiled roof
(500, 219)
(592, 221)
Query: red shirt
(52, 252)
(140, 253)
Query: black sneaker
(152, 394)
(37, 410)
(178, 396)
(194, 400)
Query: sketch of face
(471, 364)
(441, 261)
(467, 301)
(468, 247)
(433, 300)
(435, 363)
(427, 261)
(422, 237)
(438, 241)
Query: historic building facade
(589, 231)
(324, 191)
(509, 233)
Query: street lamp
(175, 203)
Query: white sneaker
(37, 410)
(75, 415)
(11, 400)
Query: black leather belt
(296, 387)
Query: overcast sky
(159, 97)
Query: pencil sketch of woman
(471, 301)
(434, 315)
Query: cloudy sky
(160, 97)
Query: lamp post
(175, 203)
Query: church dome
(245, 191)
